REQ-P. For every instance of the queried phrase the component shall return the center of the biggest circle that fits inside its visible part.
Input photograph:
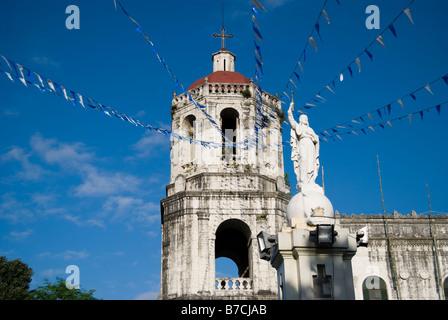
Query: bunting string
(384, 124)
(198, 106)
(260, 123)
(381, 112)
(260, 119)
(14, 71)
(295, 76)
(319, 98)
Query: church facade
(219, 199)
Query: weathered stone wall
(190, 219)
(409, 252)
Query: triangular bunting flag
(379, 113)
(313, 43)
(293, 83)
(401, 103)
(410, 118)
(326, 16)
(317, 27)
(445, 78)
(300, 65)
(408, 13)
(380, 40)
(429, 89)
(389, 108)
(370, 55)
(358, 62)
(438, 109)
(389, 123)
(328, 87)
(258, 5)
(392, 29)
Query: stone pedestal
(307, 271)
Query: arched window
(374, 288)
(233, 241)
(229, 126)
(188, 127)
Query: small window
(374, 288)
(229, 126)
(188, 127)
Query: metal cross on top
(223, 37)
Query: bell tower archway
(233, 241)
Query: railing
(233, 284)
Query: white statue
(304, 151)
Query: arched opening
(233, 241)
(188, 127)
(229, 126)
(374, 288)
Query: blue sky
(78, 187)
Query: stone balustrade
(236, 284)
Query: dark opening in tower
(233, 241)
(188, 126)
(229, 126)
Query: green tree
(59, 291)
(15, 278)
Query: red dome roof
(221, 77)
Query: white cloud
(75, 157)
(272, 4)
(52, 273)
(149, 145)
(68, 255)
(45, 61)
(101, 183)
(131, 210)
(110, 195)
(9, 112)
(18, 236)
(69, 156)
(13, 210)
(30, 171)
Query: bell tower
(221, 195)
